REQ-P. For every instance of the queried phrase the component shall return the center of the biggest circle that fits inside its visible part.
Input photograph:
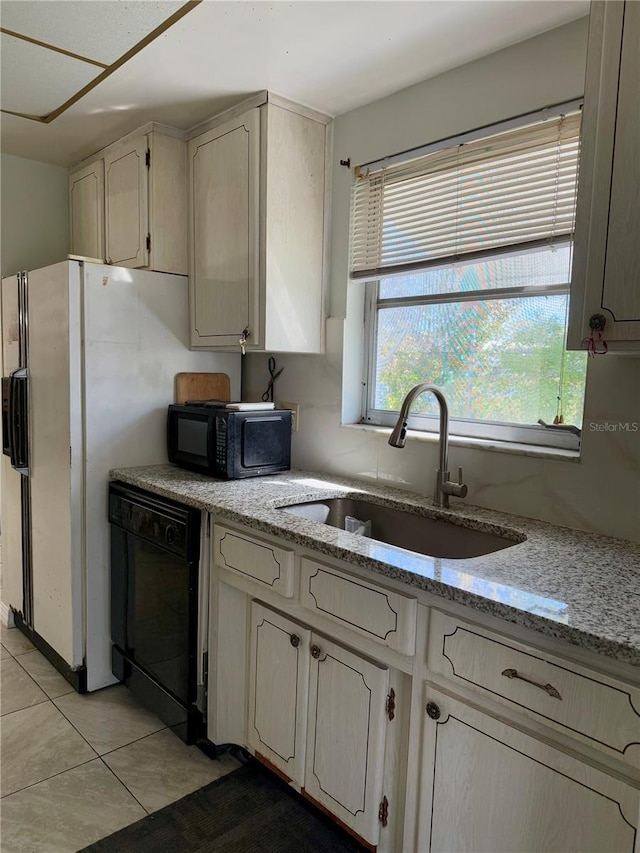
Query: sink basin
(403, 528)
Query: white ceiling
(36, 80)
(333, 56)
(100, 29)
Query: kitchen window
(465, 249)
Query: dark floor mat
(247, 811)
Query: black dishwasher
(155, 549)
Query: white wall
(600, 493)
(34, 214)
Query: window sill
(535, 451)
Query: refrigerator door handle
(6, 416)
(13, 420)
(18, 413)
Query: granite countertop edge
(602, 569)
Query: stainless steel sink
(403, 528)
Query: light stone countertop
(579, 587)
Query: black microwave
(208, 438)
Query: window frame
(530, 434)
(534, 435)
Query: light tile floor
(74, 768)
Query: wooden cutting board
(202, 386)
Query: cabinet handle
(294, 640)
(243, 340)
(433, 710)
(316, 651)
(548, 688)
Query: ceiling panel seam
(108, 69)
(53, 47)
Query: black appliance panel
(154, 600)
(262, 442)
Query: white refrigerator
(90, 354)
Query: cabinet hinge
(148, 158)
(70, 457)
(390, 705)
(208, 528)
(148, 242)
(383, 812)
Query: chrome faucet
(444, 486)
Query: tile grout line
(27, 652)
(19, 710)
(62, 695)
(50, 698)
(97, 755)
(60, 711)
(19, 653)
(130, 743)
(113, 772)
(26, 708)
(109, 751)
(48, 778)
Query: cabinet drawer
(568, 696)
(384, 616)
(258, 559)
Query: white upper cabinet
(127, 200)
(86, 207)
(257, 183)
(132, 204)
(606, 266)
(224, 167)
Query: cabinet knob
(597, 322)
(433, 710)
(295, 640)
(316, 651)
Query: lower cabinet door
(488, 787)
(278, 683)
(346, 735)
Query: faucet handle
(458, 490)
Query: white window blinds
(509, 191)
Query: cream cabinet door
(126, 181)
(606, 264)
(488, 787)
(346, 735)
(224, 166)
(86, 211)
(278, 681)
